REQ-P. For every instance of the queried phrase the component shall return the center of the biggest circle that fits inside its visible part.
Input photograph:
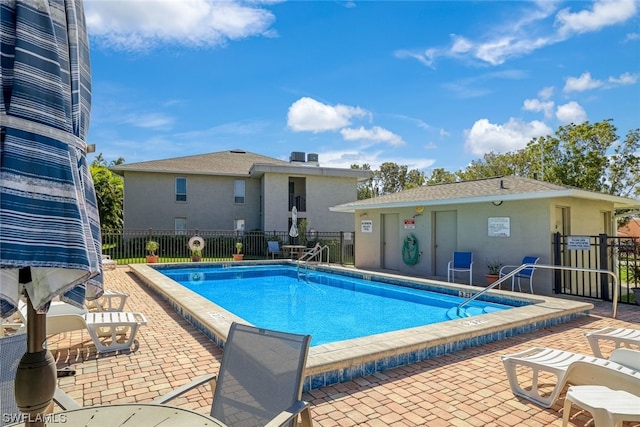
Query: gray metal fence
(128, 246)
(619, 255)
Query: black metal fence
(129, 246)
(619, 255)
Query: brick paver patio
(468, 388)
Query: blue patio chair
(462, 262)
(526, 273)
(273, 248)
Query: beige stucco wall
(532, 223)
(321, 191)
(150, 202)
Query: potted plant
(493, 271)
(196, 254)
(238, 256)
(152, 246)
(196, 245)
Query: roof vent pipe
(502, 184)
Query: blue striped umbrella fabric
(50, 242)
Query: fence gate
(616, 254)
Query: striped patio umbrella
(49, 226)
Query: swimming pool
(327, 306)
(345, 360)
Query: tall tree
(441, 176)
(493, 164)
(390, 178)
(577, 155)
(109, 189)
(365, 189)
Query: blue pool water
(327, 306)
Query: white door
(445, 237)
(390, 242)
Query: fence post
(603, 247)
(557, 279)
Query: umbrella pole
(36, 377)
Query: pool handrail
(549, 267)
(308, 255)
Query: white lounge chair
(620, 371)
(108, 263)
(620, 336)
(109, 301)
(104, 327)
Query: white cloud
(539, 106)
(144, 24)
(344, 159)
(571, 112)
(307, 114)
(582, 83)
(586, 82)
(546, 93)
(150, 121)
(375, 134)
(604, 13)
(484, 136)
(528, 30)
(624, 79)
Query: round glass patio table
(130, 414)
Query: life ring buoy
(196, 278)
(410, 250)
(193, 245)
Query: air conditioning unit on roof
(297, 156)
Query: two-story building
(236, 190)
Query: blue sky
(428, 84)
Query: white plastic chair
(620, 371)
(620, 336)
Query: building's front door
(390, 242)
(445, 238)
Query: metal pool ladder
(317, 250)
(462, 313)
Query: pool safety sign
(409, 224)
(499, 227)
(366, 226)
(578, 243)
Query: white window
(181, 189)
(180, 225)
(238, 191)
(238, 225)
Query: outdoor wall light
(363, 214)
(496, 203)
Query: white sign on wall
(578, 243)
(499, 226)
(366, 226)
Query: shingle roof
(492, 189)
(232, 162)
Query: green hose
(410, 250)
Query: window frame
(181, 197)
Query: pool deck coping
(345, 354)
